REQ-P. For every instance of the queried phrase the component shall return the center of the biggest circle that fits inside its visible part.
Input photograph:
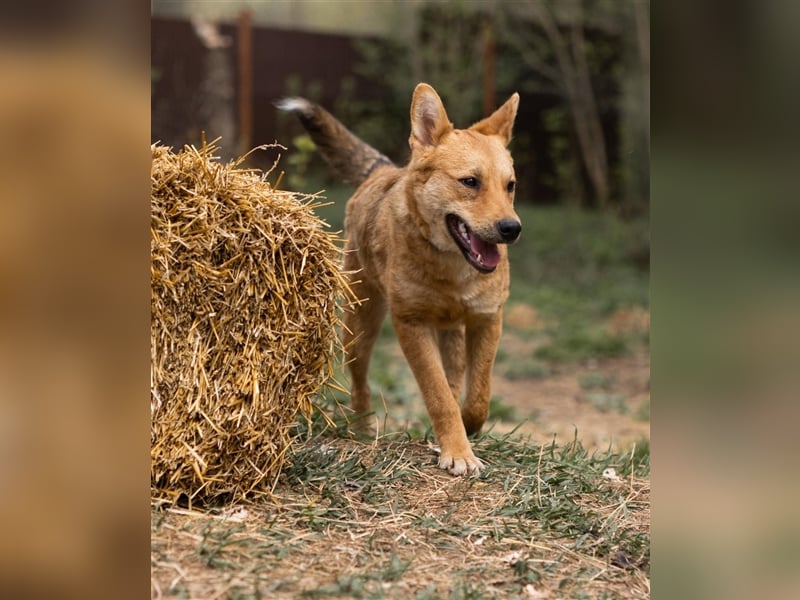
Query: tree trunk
(576, 81)
(489, 52)
(216, 112)
(595, 155)
(643, 39)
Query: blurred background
(582, 69)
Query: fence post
(488, 67)
(245, 56)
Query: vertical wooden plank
(245, 92)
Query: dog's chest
(475, 297)
(479, 300)
(445, 306)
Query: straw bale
(244, 290)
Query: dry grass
(377, 519)
(243, 332)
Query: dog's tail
(350, 157)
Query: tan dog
(427, 242)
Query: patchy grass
(643, 412)
(501, 411)
(597, 380)
(376, 519)
(522, 367)
(579, 343)
(607, 402)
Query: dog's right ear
(429, 122)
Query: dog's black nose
(509, 229)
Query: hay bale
(244, 284)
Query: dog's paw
(460, 465)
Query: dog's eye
(470, 182)
(510, 186)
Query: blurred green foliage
(303, 149)
(446, 49)
(578, 267)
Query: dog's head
(463, 186)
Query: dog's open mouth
(482, 255)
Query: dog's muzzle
(482, 253)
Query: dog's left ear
(501, 121)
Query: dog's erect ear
(501, 121)
(429, 120)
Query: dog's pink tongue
(489, 254)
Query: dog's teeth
(479, 258)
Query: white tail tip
(294, 104)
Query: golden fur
(445, 297)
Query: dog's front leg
(483, 337)
(452, 349)
(419, 344)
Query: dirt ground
(557, 405)
(606, 400)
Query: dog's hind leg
(482, 341)
(362, 325)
